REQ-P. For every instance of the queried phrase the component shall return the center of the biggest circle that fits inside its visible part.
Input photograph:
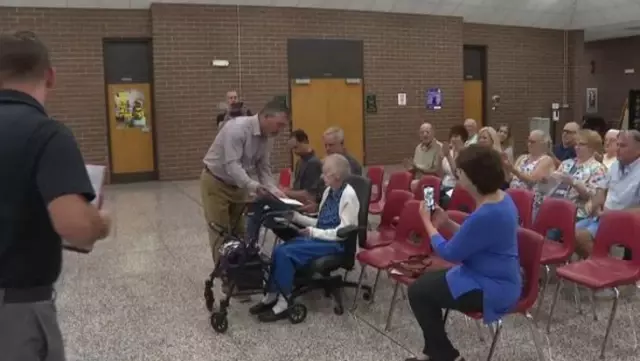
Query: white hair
(339, 165)
(544, 137)
(426, 125)
(612, 132)
(336, 132)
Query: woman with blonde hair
(610, 147)
(488, 136)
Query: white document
(97, 175)
(291, 202)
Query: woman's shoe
(270, 316)
(261, 308)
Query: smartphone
(429, 198)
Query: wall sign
(592, 100)
(371, 104)
(402, 99)
(433, 98)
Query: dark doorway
(128, 72)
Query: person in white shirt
(472, 129)
(339, 208)
(610, 147)
(457, 137)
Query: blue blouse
(329, 216)
(486, 248)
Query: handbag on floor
(412, 267)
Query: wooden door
(321, 103)
(473, 101)
(130, 110)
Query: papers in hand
(97, 175)
(291, 202)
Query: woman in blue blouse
(339, 208)
(487, 275)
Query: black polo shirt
(308, 174)
(39, 162)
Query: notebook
(97, 175)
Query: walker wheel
(338, 310)
(297, 313)
(219, 322)
(208, 298)
(366, 295)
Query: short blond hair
(493, 135)
(592, 138)
(335, 132)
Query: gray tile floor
(138, 296)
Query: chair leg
(375, 286)
(556, 295)
(479, 330)
(392, 306)
(612, 316)
(577, 297)
(534, 334)
(592, 300)
(446, 315)
(545, 284)
(494, 342)
(357, 293)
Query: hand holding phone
(429, 199)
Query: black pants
(428, 296)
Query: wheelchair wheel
(297, 313)
(209, 299)
(219, 322)
(366, 295)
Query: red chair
(461, 200)
(411, 240)
(523, 200)
(428, 181)
(285, 178)
(376, 175)
(601, 271)
(458, 217)
(529, 250)
(397, 180)
(555, 215)
(389, 219)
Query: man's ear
(50, 78)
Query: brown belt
(206, 169)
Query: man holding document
(45, 195)
(237, 167)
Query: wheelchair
(246, 269)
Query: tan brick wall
(408, 53)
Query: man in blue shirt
(565, 150)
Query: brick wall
(402, 53)
(611, 58)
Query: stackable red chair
(529, 250)
(461, 200)
(285, 178)
(600, 270)
(428, 181)
(386, 231)
(555, 215)
(376, 176)
(397, 180)
(458, 217)
(409, 228)
(523, 200)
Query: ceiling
(601, 19)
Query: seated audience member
(487, 275)
(339, 208)
(506, 141)
(580, 177)
(488, 137)
(610, 147)
(619, 191)
(531, 170)
(307, 182)
(565, 150)
(427, 155)
(333, 139)
(457, 138)
(472, 129)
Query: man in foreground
(45, 195)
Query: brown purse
(412, 267)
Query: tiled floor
(138, 296)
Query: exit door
(131, 126)
(475, 71)
(318, 104)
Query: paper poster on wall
(592, 100)
(402, 99)
(433, 98)
(371, 104)
(129, 110)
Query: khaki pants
(223, 207)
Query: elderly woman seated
(487, 278)
(318, 237)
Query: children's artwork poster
(129, 110)
(433, 98)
